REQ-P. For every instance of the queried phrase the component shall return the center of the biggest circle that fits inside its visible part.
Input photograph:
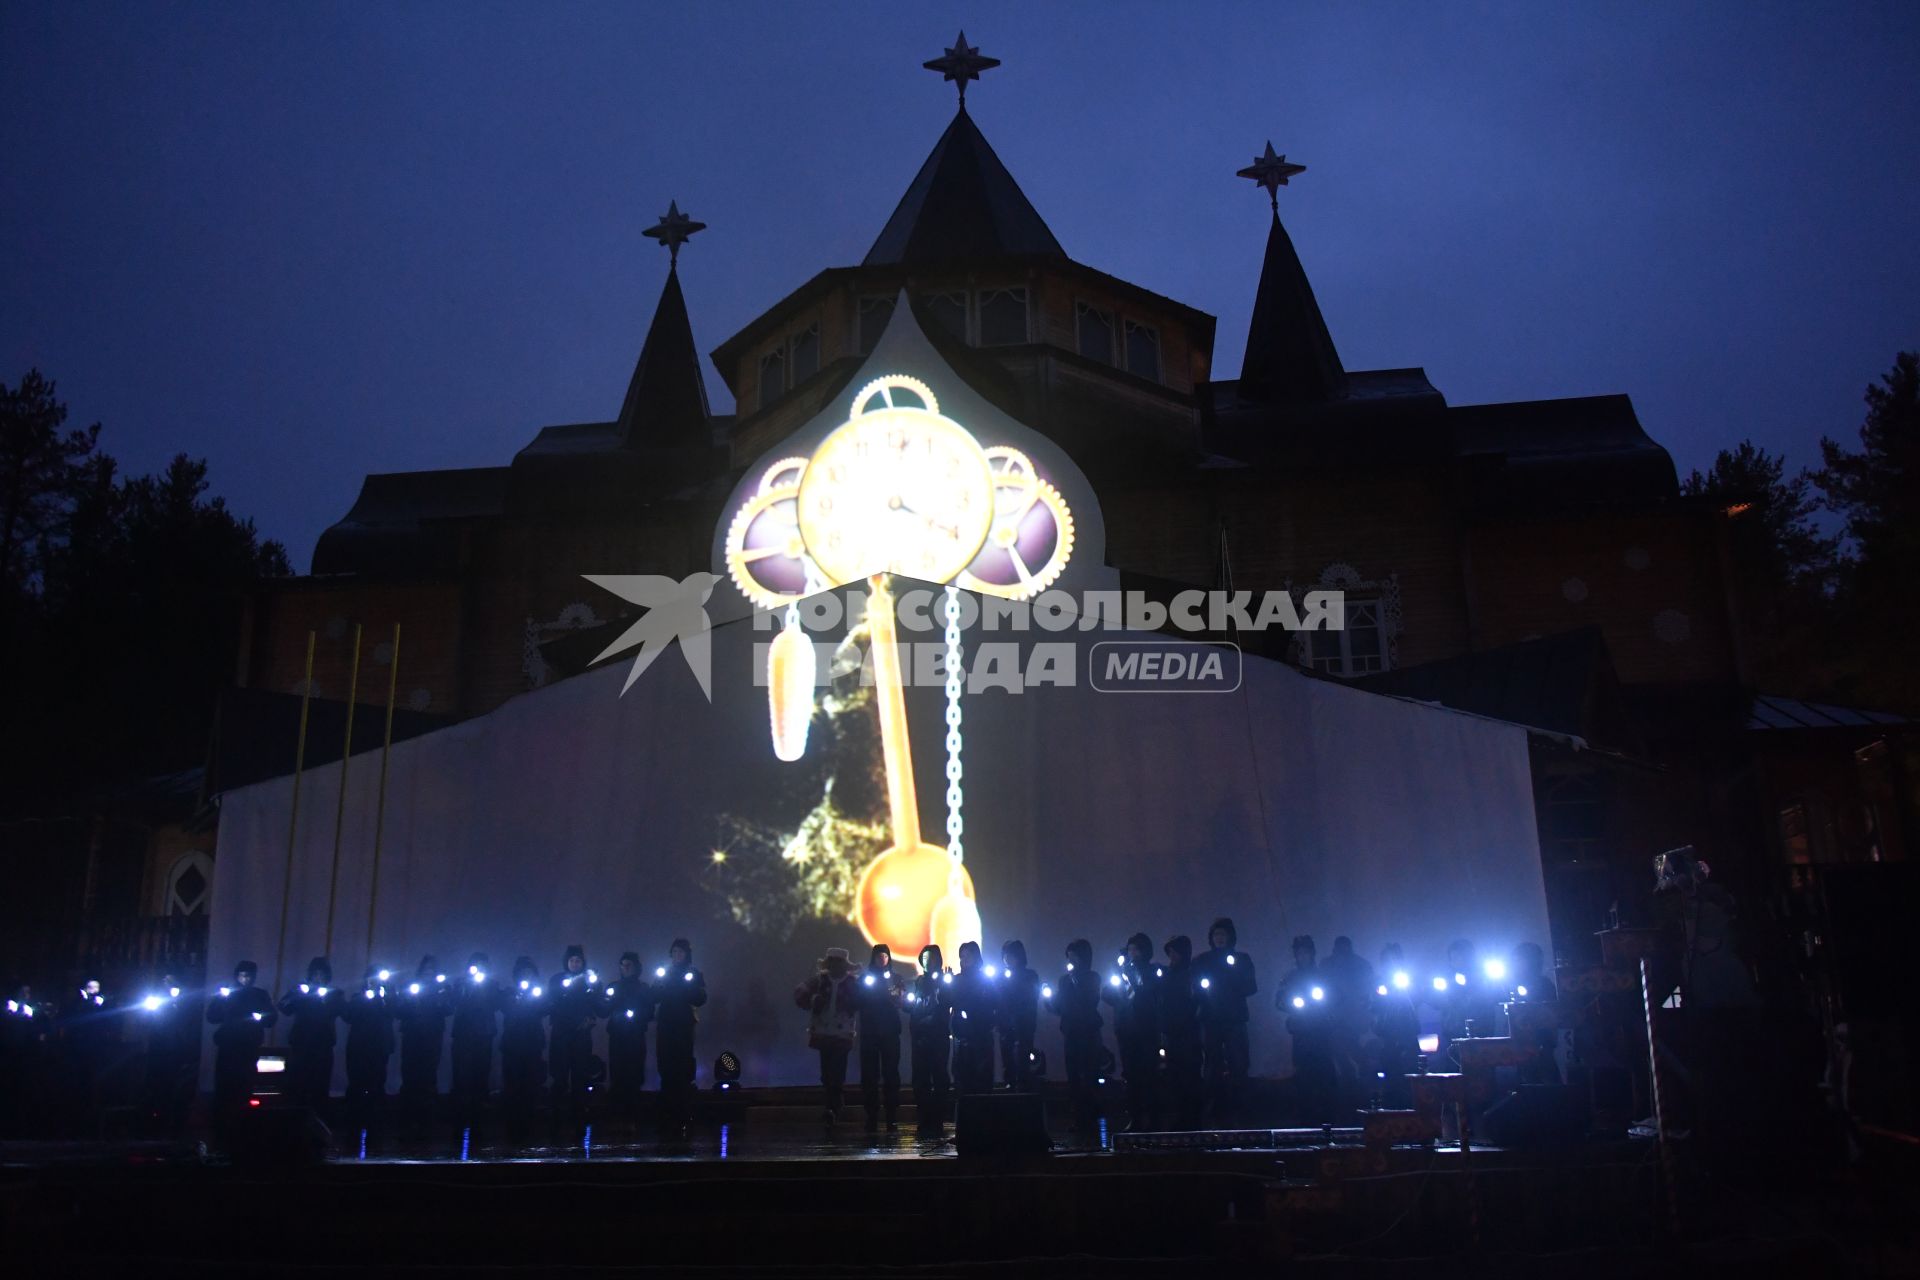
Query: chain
(954, 824)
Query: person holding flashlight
(173, 1053)
(241, 1014)
(522, 1070)
(1178, 992)
(879, 998)
(1075, 999)
(929, 1019)
(369, 1017)
(679, 991)
(314, 1006)
(1396, 1028)
(424, 1004)
(1224, 978)
(629, 1004)
(975, 998)
(832, 1001)
(572, 1006)
(1136, 1029)
(1309, 1021)
(477, 1004)
(1019, 1016)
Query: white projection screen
(576, 814)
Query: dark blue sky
(311, 241)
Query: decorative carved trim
(1341, 576)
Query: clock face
(898, 489)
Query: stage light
(661, 972)
(609, 990)
(1298, 1003)
(1115, 980)
(1459, 979)
(1206, 984)
(151, 1004)
(1439, 984)
(726, 1068)
(629, 1013)
(1520, 991)
(1046, 993)
(174, 992)
(369, 993)
(259, 1017)
(524, 984)
(1495, 969)
(538, 992)
(303, 988)
(992, 972)
(413, 988)
(385, 974)
(1318, 993)
(321, 992)
(1380, 990)
(1401, 980)
(439, 977)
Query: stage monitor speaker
(281, 1137)
(1000, 1124)
(1536, 1116)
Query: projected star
(673, 230)
(961, 64)
(1271, 172)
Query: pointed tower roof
(667, 398)
(963, 204)
(1290, 354)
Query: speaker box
(1000, 1124)
(280, 1137)
(1536, 1116)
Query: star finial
(673, 230)
(1271, 172)
(961, 64)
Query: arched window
(189, 885)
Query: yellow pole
(340, 810)
(380, 806)
(293, 816)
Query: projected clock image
(897, 489)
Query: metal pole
(380, 806)
(340, 810)
(1672, 1185)
(293, 816)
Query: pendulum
(790, 677)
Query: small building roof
(963, 204)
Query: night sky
(307, 242)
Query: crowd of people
(1179, 1026)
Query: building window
(189, 885)
(1096, 332)
(1003, 317)
(804, 360)
(773, 376)
(875, 311)
(1357, 650)
(949, 312)
(1143, 351)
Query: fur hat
(1224, 923)
(247, 967)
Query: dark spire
(666, 403)
(961, 64)
(1290, 354)
(963, 204)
